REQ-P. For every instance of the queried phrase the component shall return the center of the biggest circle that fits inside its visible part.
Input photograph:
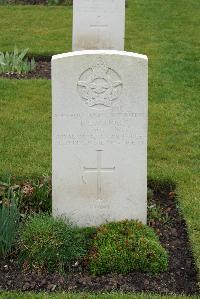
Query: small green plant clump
(35, 196)
(149, 194)
(32, 196)
(125, 246)
(16, 62)
(9, 219)
(51, 244)
(155, 213)
(60, 2)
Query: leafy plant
(51, 244)
(149, 194)
(35, 196)
(16, 62)
(9, 219)
(32, 195)
(53, 2)
(60, 2)
(126, 246)
(156, 213)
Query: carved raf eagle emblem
(99, 86)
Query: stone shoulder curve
(99, 52)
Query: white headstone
(98, 24)
(99, 136)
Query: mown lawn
(166, 31)
(44, 30)
(25, 122)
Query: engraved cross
(99, 170)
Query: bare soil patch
(40, 2)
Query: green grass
(25, 122)
(168, 32)
(44, 30)
(10, 295)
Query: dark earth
(181, 277)
(41, 2)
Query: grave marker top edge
(99, 52)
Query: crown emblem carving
(99, 86)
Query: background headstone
(99, 136)
(98, 24)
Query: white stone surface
(99, 136)
(98, 24)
